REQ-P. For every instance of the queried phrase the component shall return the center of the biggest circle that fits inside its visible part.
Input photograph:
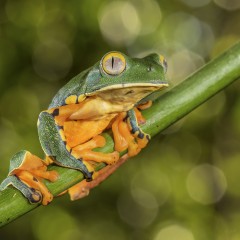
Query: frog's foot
(85, 152)
(33, 181)
(27, 172)
(127, 133)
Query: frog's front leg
(141, 137)
(128, 134)
(26, 174)
(53, 142)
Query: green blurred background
(185, 184)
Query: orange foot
(31, 171)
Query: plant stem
(167, 109)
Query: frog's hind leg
(85, 151)
(26, 174)
(123, 139)
(83, 136)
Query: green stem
(167, 109)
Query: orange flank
(80, 131)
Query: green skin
(147, 74)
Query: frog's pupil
(112, 62)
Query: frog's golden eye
(163, 62)
(113, 63)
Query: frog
(109, 96)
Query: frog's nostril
(149, 69)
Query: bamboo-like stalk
(179, 101)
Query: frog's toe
(143, 140)
(145, 105)
(86, 153)
(112, 158)
(133, 149)
(96, 142)
(79, 190)
(108, 158)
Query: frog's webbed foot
(26, 174)
(127, 133)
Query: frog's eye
(113, 63)
(163, 62)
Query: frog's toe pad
(35, 196)
(143, 139)
(113, 158)
(79, 191)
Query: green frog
(108, 95)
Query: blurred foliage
(185, 184)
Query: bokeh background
(185, 184)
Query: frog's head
(122, 79)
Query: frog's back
(76, 86)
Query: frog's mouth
(127, 93)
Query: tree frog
(108, 95)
